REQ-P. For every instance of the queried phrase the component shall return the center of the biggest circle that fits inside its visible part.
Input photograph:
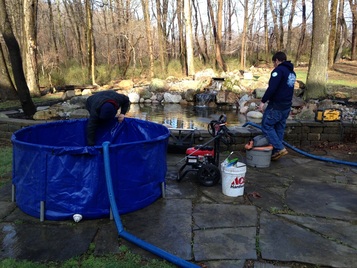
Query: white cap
(77, 217)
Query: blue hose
(131, 238)
(307, 154)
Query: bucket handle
(233, 163)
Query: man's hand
(121, 118)
(261, 107)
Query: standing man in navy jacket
(103, 106)
(279, 98)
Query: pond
(184, 116)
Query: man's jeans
(273, 126)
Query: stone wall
(298, 133)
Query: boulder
(226, 97)
(255, 114)
(190, 95)
(172, 98)
(134, 97)
(79, 113)
(158, 85)
(67, 95)
(45, 114)
(126, 84)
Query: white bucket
(233, 178)
(223, 164)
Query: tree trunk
(332, 39)
(318, 66)
(219, 60)
(302, 32)
(75, 22)
(189, 42)
(145, 4)
(253, 48)
(7, 91)
(53, 32)
(161, 37)
(276, 28)
(16, 62)
(353, 6)
(30, 46)
(61, 35)
(281, 26)
(341, 36)
(182, 43)
(230, 11)
(90, 42)
(201, 51)
(266, 31)
(244, 36)
(290, 23)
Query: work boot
(279, 154)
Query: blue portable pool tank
(57, 175)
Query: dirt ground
(344, 70)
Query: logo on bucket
(237, 182)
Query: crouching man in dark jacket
(104, 106)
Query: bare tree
(202, 49)
(189, 41)
(341, 35)
(230, 12)
(161, 26)
(16, 62)
(266, 30)
(76, 17)
(61, 31)
(332, 39)
(182, 43)
(276, 32)
(8, 91)
(90, 41)
(52, 30)
(145, 4)
(353, 5)
(290, 23)
(318, 66)
(30, 46)
(244, 35)
(302, 31)
(220, 63)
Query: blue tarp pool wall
(53, 165)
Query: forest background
(51, 43)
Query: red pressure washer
(204, 159)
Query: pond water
(184, 116)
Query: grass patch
(5, 164)
(124, 260)
(15, 104)
(301, 74)
(332, 81)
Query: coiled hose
(307, 154)
(131, 238)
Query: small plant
(20, 264)
(257, 245)
(285, 210)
